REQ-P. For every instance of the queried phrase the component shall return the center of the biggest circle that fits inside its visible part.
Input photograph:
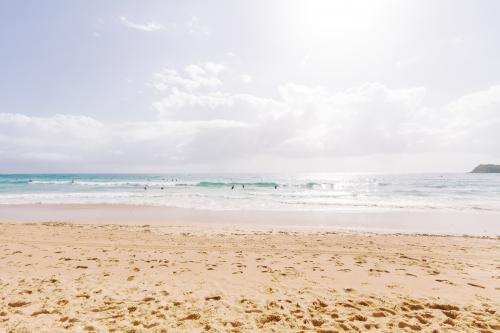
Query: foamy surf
(312, 192)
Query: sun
(324, 29)
(322, 18)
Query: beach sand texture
(58, 277)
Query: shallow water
(303, 192)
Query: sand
(479, 223)
(58, 277)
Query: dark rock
(487, 168)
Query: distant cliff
(487, 168)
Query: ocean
(301, 192)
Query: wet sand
(58, 277)
(402, 221)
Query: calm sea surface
(306, 192)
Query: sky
(254, 86)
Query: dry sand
(58, 277)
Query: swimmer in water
(232, 187)
(275, 187)
(243, 185)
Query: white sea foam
(456, 192)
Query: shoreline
(392, 222)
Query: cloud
(472, 122)
(195, 26)
(245, 78)
(97, 27)
(56, 138)
(195, 76)
(312, 121)
(199, 123)
(214, 68)
(147, 27)
(307, 120)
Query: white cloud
(148, 26)
(246, 78)
(472, 122)
(167, 78)
(49, 139)
(195, 26)
(200, 124)
(369, 119)
(215, 68)
(180, 105)
(196, 76)
(97, 27)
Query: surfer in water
(232, 187)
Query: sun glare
(323, 18)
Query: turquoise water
(336, 192)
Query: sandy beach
(306, 166)
(58, 277)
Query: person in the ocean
(232, 187)
(275, 187)
(162, 187)
(242, 185)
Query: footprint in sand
(446, 281)
(213, 298)
(18, 304)
(192, 316)
(476, 285)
